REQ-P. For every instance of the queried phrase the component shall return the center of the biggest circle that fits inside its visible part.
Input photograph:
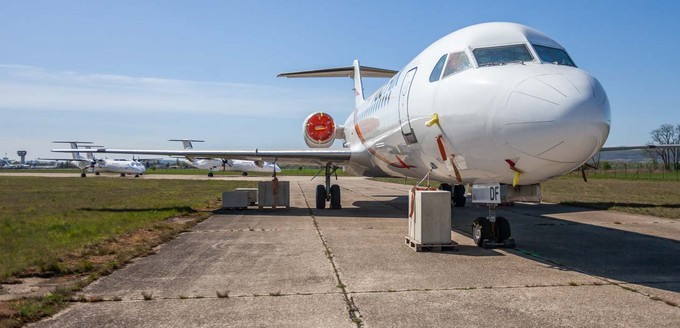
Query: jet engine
(319, 130)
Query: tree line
(664, 135)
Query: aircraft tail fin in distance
(74, 145)
(187, 143)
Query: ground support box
(265, 194)
(429, 222)
(236, 199)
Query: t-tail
(74, 145)
(355, 72)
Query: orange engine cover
(319, 130)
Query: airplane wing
(292, 156)
(640, 147)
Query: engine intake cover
(319, 130)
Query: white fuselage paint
(119, 166)
(546, 118)
(234, 165)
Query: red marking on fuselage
(399, 164)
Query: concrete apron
(335, 268)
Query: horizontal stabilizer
(342, 72)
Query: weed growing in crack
(147, 295)
(116, 299)
(275, 294)
(573, 283)
(183, 297)
(223, 294)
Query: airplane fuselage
(537, 117)
(122, 166)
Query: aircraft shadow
(606, 252)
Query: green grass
(44, 219)
(648, 197)
(656, 198)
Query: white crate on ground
(265, 194)
(429, 222)
(235, 199)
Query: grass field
(649, 197)
(43, 219)
(657, 198)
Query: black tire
(503, 227)
(481, 230)
(82, 175)
(122, 175)
(335, 197)
(96, 173)
(136, 175)
(447, 187)
(210, 174)
(458, 195)
(320, 197)
(245, 174)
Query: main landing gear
(457, 194)
(492, 231)
(328, 192)
(210, 174)
(82, 175)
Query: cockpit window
(502, 55)
(437, 70)
(457, 62)
(553, 55)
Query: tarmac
(303, 267)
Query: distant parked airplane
(235, 165)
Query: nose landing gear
(492, 231)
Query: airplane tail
(187, 143)
(74, 145)
(355, 72)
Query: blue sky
(132, 74)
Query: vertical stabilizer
(187, 143)
(358, 84)
(74, 145)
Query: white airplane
(233, 165)
(122, 166)
(497, 106)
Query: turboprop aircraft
(234, 165)
(497, 106)
(122, 166)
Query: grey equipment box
(252, 194)
(235, 199)
(265, 194)
(429, 222)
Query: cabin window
(492, 56)
(457, 62)
(553, 55)
(437, 70)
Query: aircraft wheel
(136, 175)
(458, 195)
(82, 175)
(122, 175)
(96, 173)
(503, 227)
(335, 197)
(210, 174)
(320, 197)
(447, 187)
(481, 229)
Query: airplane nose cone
(557, 117)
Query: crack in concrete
(354, 313)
